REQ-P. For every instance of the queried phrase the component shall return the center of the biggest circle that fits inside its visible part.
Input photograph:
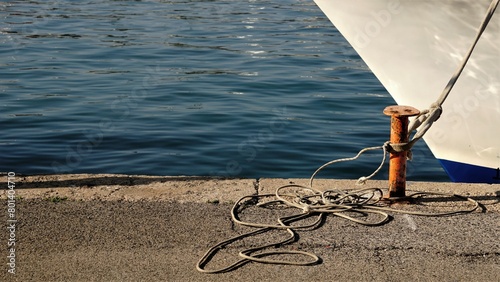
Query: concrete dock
(90, 227)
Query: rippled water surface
(230, 88)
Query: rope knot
(306, 209)
(362, 180)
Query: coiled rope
(313, 202)
(310, 202)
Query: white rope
(362, 180)
(331, 202)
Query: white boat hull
(413, 47)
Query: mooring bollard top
(401, 111)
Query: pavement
(98, 227)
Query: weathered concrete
(149, 228)
(114, 187)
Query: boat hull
(413, 47)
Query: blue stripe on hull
(461, 172)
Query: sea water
(251, 88)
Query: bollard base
(406, 200)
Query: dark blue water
(229, 88)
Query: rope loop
(367, 204)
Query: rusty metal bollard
(399, 134)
